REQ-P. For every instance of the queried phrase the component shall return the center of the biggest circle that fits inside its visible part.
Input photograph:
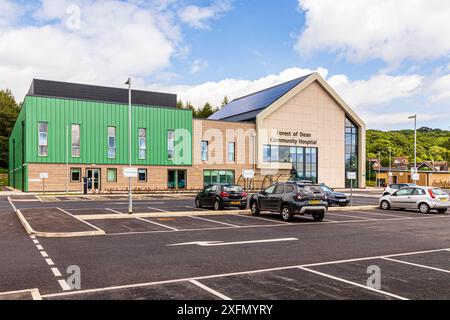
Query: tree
(9, 111)
(224, 102)
(206, 111)
(180, 104)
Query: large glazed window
(75, 140)
(231, 151)
(304, 160)
(112, 142)
(171, 144)
(204, 150)
(351, 151)
(218, 176)
(142, 144)
(43, 139)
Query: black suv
(219, 196)
(291, 198)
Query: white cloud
(377, 90)
(115, 40)
(439, 90)
(9, 12)
(377, 29)
(198, 17)
(214, 92)
(198, 65)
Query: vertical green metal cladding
(17, 156)
(94, 119)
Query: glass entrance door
(177, 179)
(94, 182)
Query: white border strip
(416, 265)
(158, 224)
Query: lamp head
(128, 81)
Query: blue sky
(387, 59)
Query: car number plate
(444, 199)
(314, 202)
(235, 202)
(342, 200)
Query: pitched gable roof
(248, 107)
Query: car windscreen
(327, 189)
(439, 192)
(230, 188)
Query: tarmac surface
(227, 256)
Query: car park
(424, 199)
(390, 189)
(335, 198)
(220, 196)
(291, 198)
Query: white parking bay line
(44, 254)
(215, 221)
(349, 216)
(417, 265)
(353, 283)
(114, 211)
(380, 214)
(264, 219)
(214, 292)
(157, 209)
(158, 224)
(39, 247)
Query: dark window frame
(79, 172)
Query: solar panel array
(256, 101)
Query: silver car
(424, 199)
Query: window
(279, 190)
(266, 154)
(404, 192)
(216, 176)
(112, 175)
(142, 144)
(75, 140)
(111, 142)
(289, 189)
(419, 192)
(75, 175)
(304, 160)
(142, 175)
(270, 190)
(204, 150)
(43, 139)
(351, 149)
(231, 151)
(171, 144)
(177, 179)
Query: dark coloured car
(335, 198)
(291, 198)
(219, 196)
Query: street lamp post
(130, 194)
(379, 169)
(390, 165)
(415, 145)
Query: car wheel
(442, 210)
(385, 205)
(198, 204)
(424, 208)
(318, 216)
(286, 213)
(217, 205)
(343, 205)
(254, 208)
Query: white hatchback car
(422, 198)
(390, 189)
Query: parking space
(334, 280)
(112, 226)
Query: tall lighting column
(130, 194)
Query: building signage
(248, 174)
(351, 175)
(43, 175)
(293, 137)
(130, 172)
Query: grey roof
(248, 107)
(57, 89)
